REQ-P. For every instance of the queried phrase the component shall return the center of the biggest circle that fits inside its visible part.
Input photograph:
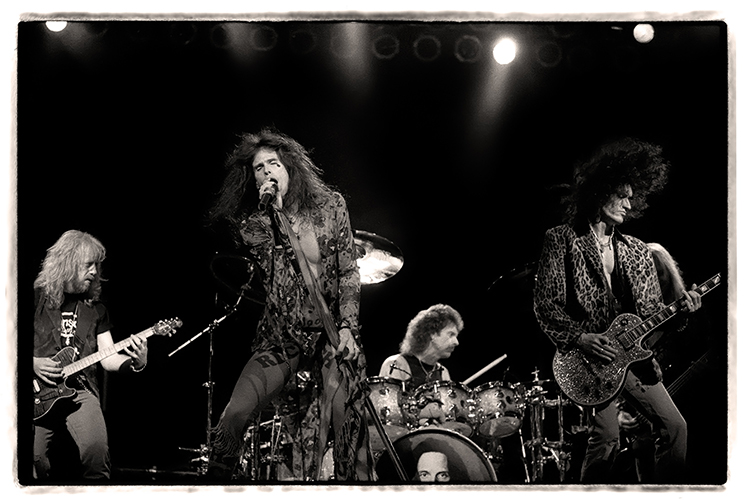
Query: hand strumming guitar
(48, 370)
(597, 344)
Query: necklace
(602, 245)
(427, 374)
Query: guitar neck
(631, 336)
(81, 364)
(688, 374)
(683, 379)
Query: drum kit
(478, 423)
(475, 428)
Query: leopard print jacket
(571, 295)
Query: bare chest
(309, 245)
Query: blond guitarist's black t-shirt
(69, 310)
(69, 313)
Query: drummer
(431, 336)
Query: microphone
(393, 366)
(267, 195)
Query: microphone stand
(205, 449)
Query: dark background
(123, 128)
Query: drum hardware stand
(582, 427)
(204, 450)
(542, 450)
(252, 468)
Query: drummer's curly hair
(619, 162)
(426, 324)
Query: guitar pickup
(36, 386)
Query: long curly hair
(306, 193)
(63, 263)
(427, 323)
(670, 275)
(624, 161)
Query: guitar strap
(316, 295)
(333, 335)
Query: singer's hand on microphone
(270, 189)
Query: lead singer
(296, 228)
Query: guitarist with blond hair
(70, 318)
(589, 273)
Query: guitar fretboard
(683, 379)
(629, 337)
(79, 365)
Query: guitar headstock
(709, 285)
(167, 326)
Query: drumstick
(480, 372)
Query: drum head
(385, 381)
(392, 431)
(466, 461)
(442, 384)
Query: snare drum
(453, 398)
(390, 400)
(498, 409)
(466, 461)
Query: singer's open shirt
(285, 289)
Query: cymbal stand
(204, 450)
(254, 464)
(540, 448)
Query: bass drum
(466, 461)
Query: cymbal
(519, 275)
(378, 258)
(536, 382)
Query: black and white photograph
(495, 251)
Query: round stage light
(505, 51)
(56, 26)
(644, 33)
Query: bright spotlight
(505, 51)
(56, 25)
(644, 33)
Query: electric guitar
(589, 381)
(45, 395)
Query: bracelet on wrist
(137, 370)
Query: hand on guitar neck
(593, 372)
(629, 423)
(599, 345)
(52, 374)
